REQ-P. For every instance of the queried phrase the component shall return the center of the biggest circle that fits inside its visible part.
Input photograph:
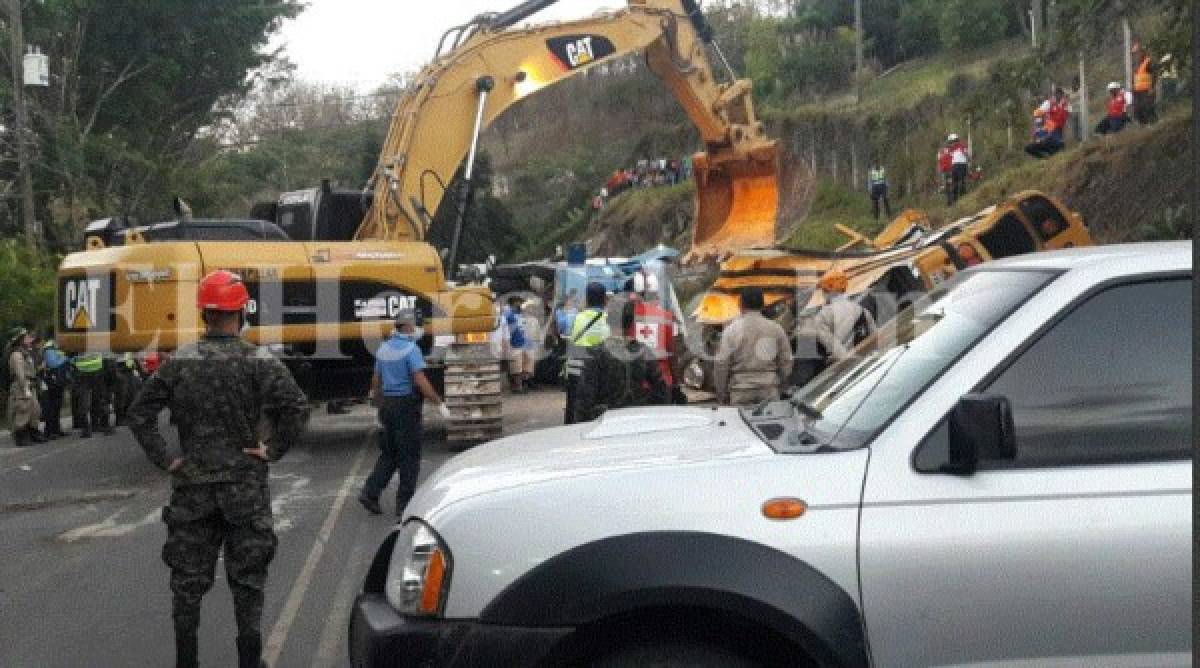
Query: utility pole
(1128, 33)
(16, 56)
(858, 51)
(1084, 121)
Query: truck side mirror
(981, 429)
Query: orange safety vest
(1143, 80)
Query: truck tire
(673, 654)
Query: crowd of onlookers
(646, 173)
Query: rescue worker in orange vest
(1144, 74)
(1118, 115)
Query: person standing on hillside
(755, 358)
(877, 187)
(224, 393)
(960, 161)
(1144, 75)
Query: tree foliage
(969, 24)
(133, 85)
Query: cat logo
(580, 53)
(575, 51)
(80, 303)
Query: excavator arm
(489, 65)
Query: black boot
(36, 436)
(20, 437)
(250, 651)
(187, 651)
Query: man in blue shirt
(397, 388)
(54, 374)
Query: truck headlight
(419, 571)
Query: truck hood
(621, 440)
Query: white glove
(444, 410)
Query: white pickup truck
(1002, 476)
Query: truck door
(1078, 550)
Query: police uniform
(589, 330)
(218, 390)
(398, 360)
(91, 390)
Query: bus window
(1047, 221)
(1008, 237)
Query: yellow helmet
(834, 280)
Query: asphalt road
(82, 582)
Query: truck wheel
(673, 654)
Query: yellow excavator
(323, 294)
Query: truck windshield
(850, 402)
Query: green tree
(134, 82)
(968, 24)
(917, 29)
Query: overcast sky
(361, 42)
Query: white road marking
(109, 527)
(274, 644)
(329, 655)
(282, 502)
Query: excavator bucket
(742, 203)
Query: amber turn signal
(431, 594)
(784, 509)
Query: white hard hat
(1113, 85)
(951, 137)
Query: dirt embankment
(643, 218)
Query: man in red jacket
(1118, 111)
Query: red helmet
(222, 291)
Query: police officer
(621, 372)
(397, 388)
(92, 390)
(590, 329)
(54, 374)
(219, 389)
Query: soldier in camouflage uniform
(218, 390)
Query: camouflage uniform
(218, 390)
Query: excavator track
(473, 395)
